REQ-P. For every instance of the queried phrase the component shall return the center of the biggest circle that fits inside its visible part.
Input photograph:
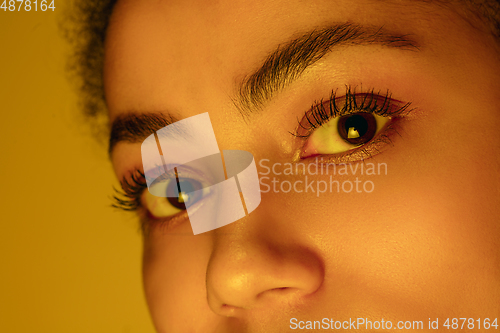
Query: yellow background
(68, 262)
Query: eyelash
(319, 114)
(371, 102)
(129, 197)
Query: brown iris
(357, 128)
(180, 193)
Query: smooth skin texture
(424, 244)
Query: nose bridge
(253, 268)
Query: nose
(254, 270)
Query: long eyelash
(370, 102)
(128, 198)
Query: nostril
(228, 310)
(280, 293)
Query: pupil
(357, 128)
(186, 196)
(356, 123)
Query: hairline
(89, 39)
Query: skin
(424, 244)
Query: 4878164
(27, 5)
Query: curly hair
(85, 28)
(86, 32)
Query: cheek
(429, 228)
(441, 207)
(174, 270)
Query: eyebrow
(279, 69)
(291, 59)
(136, 127)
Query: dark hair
(86, 30)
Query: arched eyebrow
(278, 70)
(136, 127)
(292, 58)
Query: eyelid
(168, 222)
(167, 172)
(130, 198)
(380, 143)
(352, 102)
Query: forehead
(172, 54)
(166, 50)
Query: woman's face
(415, 238)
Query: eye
(344, 133)
(176, 200)
(351, 127)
